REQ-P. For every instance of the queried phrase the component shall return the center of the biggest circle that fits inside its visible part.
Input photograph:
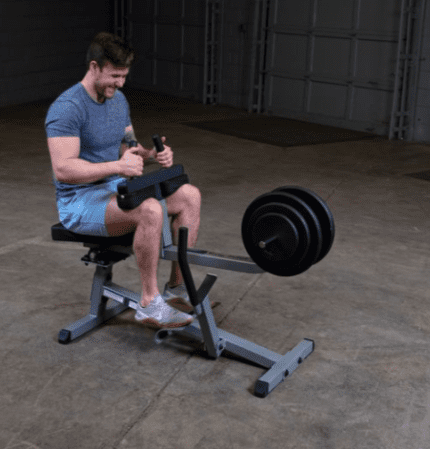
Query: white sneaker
(178, 298)
(160, 315)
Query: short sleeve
(63, 120)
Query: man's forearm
(79, 171)
(148, 156)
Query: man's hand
(165, 158)
(131, 163)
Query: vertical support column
(181, 60)
(402, 112)
(259, 55)
(353, 57)
(122, 19)
(393, 123)
(154, 61)
(99, 310)
(213, 45)
(166, 238)
(407, 69)
(98, 303)
(264, 38)
(129, 21)
(206, 58)
(253, 85)
(419, 15)
(115, 17)
(311, 54)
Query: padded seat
(60, 233)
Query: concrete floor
(365, 305)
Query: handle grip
(132, 144)
(159, 147)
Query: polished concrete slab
(365, 305)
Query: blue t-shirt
(100, 127)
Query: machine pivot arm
(196, 297)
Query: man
(88, 127)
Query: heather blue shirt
(100, 127)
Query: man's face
(108, 79)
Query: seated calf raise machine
(285, 232)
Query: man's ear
(94, 67)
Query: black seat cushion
(60, 233)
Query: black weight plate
(289, 267)
(275, 224)
(321, 210)
(293, 242)
(276, 261)
(311, 220)
(310, 217)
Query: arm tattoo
(130, 136)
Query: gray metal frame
(216, 341)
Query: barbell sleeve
(263, 244)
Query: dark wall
(44, 43)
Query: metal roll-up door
(332, 62)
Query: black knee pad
(172, 185)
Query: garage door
(332, 61)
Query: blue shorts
(84, 211)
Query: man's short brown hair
(107, 47)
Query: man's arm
(70, 168)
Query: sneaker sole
(183, 306)
(154, 324)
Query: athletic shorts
(84, 210)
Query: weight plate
(311, 220)
(292, 243)
(277, 258)
(275, 235)
(321, 210)
(261, 211)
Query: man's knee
(150, 211)
(191, 194)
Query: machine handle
(159, 147)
